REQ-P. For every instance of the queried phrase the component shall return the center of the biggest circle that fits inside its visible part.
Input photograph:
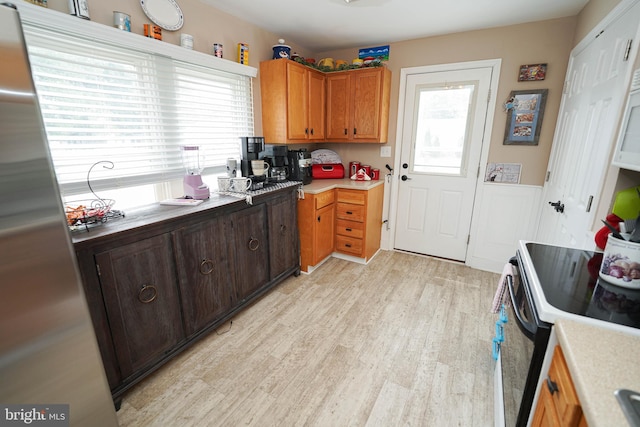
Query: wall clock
(164, 13)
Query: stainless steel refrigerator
(49, 356)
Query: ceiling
(322, 25)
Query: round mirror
(164, 13)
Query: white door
(442, 136)
(592, 102)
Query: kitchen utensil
(635, 234)
(194, 188)
(240, 185)
(627, 203)
(621, 263)
(281, 50)
(259, 167)
(324, 156)
(224, 183)
(614, 232)
(328, 171)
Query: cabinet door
(204, 263)
(338, 95)
(141, 298)
(252, 249)
(284, 252)
(297, 102)
(324, 232)
(545, 415)
(316, 105)
(367, 97)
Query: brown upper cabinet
(293, 102)
(358, 105)
(301, 104)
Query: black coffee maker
(252, 146)
(276, 157)
(300, 166)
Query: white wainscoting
(504, 214)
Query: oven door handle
(527, 328)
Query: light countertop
(600, 361)
(321, 185)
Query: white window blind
(102, 101)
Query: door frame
(495, 65)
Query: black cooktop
(570, 282)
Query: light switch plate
(385, 151)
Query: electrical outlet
(385, 151)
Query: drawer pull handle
(206, 267)
(553, 387)
(349, 213)
(348, 229)
(347, 245)
(153, 293)
(254, 244)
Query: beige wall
(541, 42)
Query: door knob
(405, 166)
(404, 177)
(558, 206)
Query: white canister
(122, 21)
(186, 41)
(79, 8)
(621, 262)
(232, 167)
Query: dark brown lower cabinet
(204, 261)
(156, 287)
(142, 302)
(284, 243)
(249, 228)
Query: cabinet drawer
(350, 228)
(350, 212)
(324, 199)
(349, 245)
(356, 197)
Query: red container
(354, 167)
(367, 170)
(375, 174)
(327, 171)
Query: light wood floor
(404, 341)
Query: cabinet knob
(346, 131)
(311, 131)
(318, 219)
(306, 131)
(147, 294)
(254, 244)
(283, 229)
(354, 131)
(206, 267)
(552, 386)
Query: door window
(441, 133)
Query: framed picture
(525, 109)
(534, 72)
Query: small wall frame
(525, 110)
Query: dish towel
(501, 292)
